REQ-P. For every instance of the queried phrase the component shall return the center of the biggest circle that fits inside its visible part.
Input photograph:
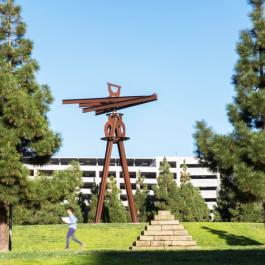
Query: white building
(201, 177)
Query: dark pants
(71, 233)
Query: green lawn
(220, 244)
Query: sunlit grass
(220, 243)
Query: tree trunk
(4, 238)
(263, 211)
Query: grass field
(108, 244)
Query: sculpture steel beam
(114, 134)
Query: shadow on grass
(180, 257)
(194, 257)
(233, 240)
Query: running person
(72, 222)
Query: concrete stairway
(164, 233)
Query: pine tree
(233, 205)
(141, 198)
(93, 204)
(82, 202)
(49, 196)
(24, 128)
(184, 174)
(193, 207)
(227, 200)
(114, 210)
(241, 154)
(166, 193)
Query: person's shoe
(83, 245)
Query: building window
(145, 162)
(210, 199)
(207, 188)
(101, 162)
(130, 162)
(132, 175)
(53, 161)
(111, 174)
(173, 164)
(67, 161)
(195, 165)
(122, 186)
(89, 174)
(87, 161)
(149, 175)
(203, 177)
(46, 172)
(123, 197)
(88, 185)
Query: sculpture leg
(104, 181)
(127, 181)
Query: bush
(48, 214)
(49, 196)
(247, 212)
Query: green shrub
(247, 212)
(49, 196)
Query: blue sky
(182, 50)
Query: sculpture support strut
(127, 181)
(115, 134)
(103, 182)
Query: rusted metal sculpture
(114, 134)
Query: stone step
(174, 238)
(159, 233)
(166, 238)
(153, 228)
(145, 243)
(170, 222)
(164, 248)
(143, 238)
(172, 227)
(180, 233)
(164, 212)
(164, 217)
(164, 227)
(159, 243)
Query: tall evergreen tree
(193, 207)
(24, 128)
(166, 193)
(93, 203)
(241, 154)
(114, 210)
(141, 197)
(184, 174)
